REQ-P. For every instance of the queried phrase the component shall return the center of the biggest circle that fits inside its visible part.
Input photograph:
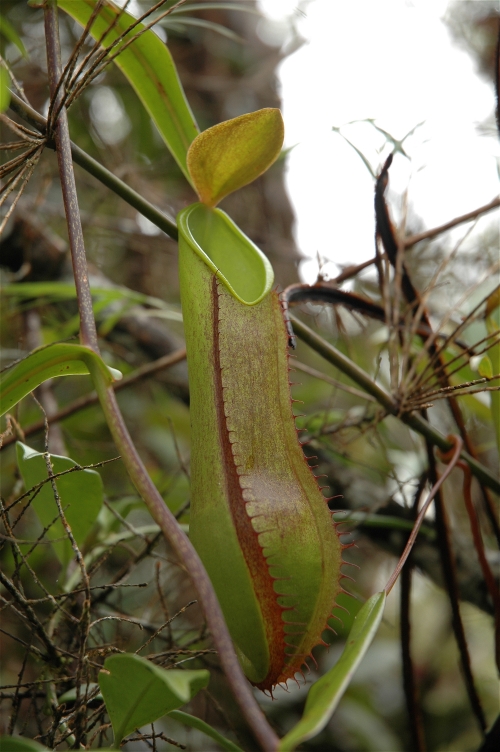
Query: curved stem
(187, 554)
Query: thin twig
(427, 234)
(411, 540)
(415, 719)
(450, 578)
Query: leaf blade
(325, 694)
(9, 33)
(47, 363)
(20, 744)
(137, 692)
(149, 67)
(80, 492)
(205, 728)
(232, 154)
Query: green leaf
(4, 90)
(485, 367)
(137, 692)
(9, 32)
(325, 694)
(80, 492)
(197, 723)
(67, 291)
(234, 153)
(19, 744)
(493, 302)
(47, 363)
(110, 304)
(149, 67)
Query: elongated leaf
(112, 302)
(325, 694)
(9, 32)
(137, 692)
(67, 291)
(234, 153)
(80, 492)
(493, 302)
(197, 723)
(47, 363)
(19, 744)
(492, 324)
(149, 67)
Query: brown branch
(409, 679)
(427, 234)
(420, 518)
(52, 656)
(386, 233)
(450, 577)
(88, 332)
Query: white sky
(391, 60)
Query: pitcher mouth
(229, 253)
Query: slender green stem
(128, 194)
(413, 420)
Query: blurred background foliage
(374, 467)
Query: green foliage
(46, 363)
(148, 65)
(137, 692)
(326, 693)
(19, 744)
(491, 361)
(80, 493)
(193, 722)
(371, 463)
(10, 34)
